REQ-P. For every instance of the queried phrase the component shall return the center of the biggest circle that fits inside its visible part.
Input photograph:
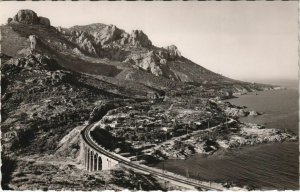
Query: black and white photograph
(149, 95)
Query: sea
(264, 166)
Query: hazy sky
(242, 40)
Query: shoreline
(193, 143)
(221, 153)
(220, 156)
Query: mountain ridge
(109, 51)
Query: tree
(8, 166)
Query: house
(166, 129)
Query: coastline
(225, 166)
(211, 140)
(229, 135)
(264, 152)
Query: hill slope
(108, 51)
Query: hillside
(106, 50)
(75, 75)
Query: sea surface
(265, 166)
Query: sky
(253, 41)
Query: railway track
(159, 173)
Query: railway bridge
(92, 155)
(96, 158)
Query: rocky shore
(166, 138)
(217, 138)
(252, 134)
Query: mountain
(115, 55)
(75, 75)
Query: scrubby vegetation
(139, 96)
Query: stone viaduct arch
(95, 161)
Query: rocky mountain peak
(109, 34)
(106, 44)
(29, 17)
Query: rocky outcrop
(29, 17)
(87, 46)
(254, 113)
(139, 39)
(37, 62)
(253, 134)
(154, 61)
(110, 42)
(172, 52)
(236, 112)
(9, 20)
(148, 62)
(69, 144)
(26, 16)
(44, 21)
(84, 41)
(109, 34)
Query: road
(159, 173)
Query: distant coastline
(288, 83)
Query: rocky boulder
(235, 112)
(254, 113)
(26, 16)
(44, 21)
(29, 17)
(173, 52)
(125, 38)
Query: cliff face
(135, 48)
(108, 41)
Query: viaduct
(96, 158)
